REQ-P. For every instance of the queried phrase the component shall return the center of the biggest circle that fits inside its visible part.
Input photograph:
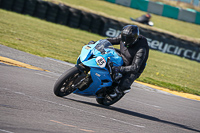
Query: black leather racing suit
(143, 19)
(134, 57)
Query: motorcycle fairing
(86, 52)
(101, 78)
(114, 57)
(100, 75)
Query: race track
(28, 105)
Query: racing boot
(118, 90)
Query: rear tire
(63, 85)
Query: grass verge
(47, 39)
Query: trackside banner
(182, 51)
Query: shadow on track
(136, 114)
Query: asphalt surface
(28, 105)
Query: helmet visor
(128, 40)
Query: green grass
(47, 39)
(42, 38)
(172, 72)
(118, 11)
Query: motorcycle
(93, 75)
(144, 19)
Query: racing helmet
(129, 35)
(148, 15)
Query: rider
(144, 18)
(134, 50)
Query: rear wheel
(64, 84)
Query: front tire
(63, 85)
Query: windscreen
(102, 45)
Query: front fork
(84, 80)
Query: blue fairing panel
(100, 79)
(86, 52)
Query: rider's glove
(92, 42)
(116, 73)
(116, 69)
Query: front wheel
(63, 85)
(107, 100)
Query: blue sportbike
(92, 75)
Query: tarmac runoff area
(12, 62)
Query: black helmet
(129, 35)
